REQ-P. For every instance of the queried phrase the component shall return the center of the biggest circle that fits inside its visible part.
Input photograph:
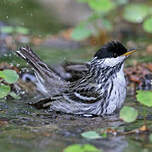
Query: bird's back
(93, 97)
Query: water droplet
(17, 65)
(11, 64)
(5, 55)
(22, 92)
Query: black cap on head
(112, 49)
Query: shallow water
(23, 128)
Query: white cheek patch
(113, 61)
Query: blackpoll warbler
(101, 91)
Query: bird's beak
(129, 52)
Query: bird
(102, 88)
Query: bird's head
(113, 54)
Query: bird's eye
(114, 55)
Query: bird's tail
(45, 75)
(30, 57)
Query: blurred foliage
(147, 25)
(104, 13)
(11, 30)
(30, 14)
(79, 33)
(129, 114)
(81, 148)
(145, 97)
(90, 135)
(10, 76)
(7, 77)
(135, 12)
(4, 90)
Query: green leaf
(4, 90)
(104, 135)
(147, 25)
(91, 135)
(101, 5)
(81, 32)
(22, 30)
(128, 114)
(135, 12)
(81, 148)
(144, 97)
(7, 29)
(2, 75)
(10, 76)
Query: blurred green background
(61, 26)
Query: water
(24, 128)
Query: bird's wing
(86, 100)
(85, 92)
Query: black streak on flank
(110, 89)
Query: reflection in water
(112, 144)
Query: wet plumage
(100, 91)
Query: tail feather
(48, 81)
(26, 53)
(29, 56)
